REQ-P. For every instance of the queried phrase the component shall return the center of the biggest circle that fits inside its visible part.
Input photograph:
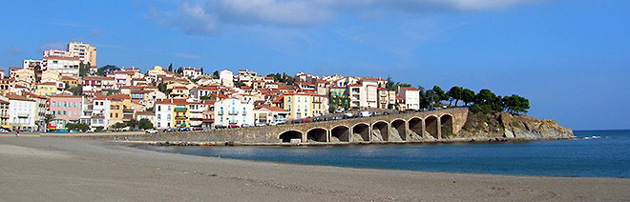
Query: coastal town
(67, 91)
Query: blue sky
(570, 58)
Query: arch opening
(361, 132)
(399, 132)
(340, 134)
(287, 136)
(431, 125)
(317, 135)
(380, 131)
(416, 127)
(446, 122)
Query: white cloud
(207, 17)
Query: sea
(602, 153)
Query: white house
(22, 112)
(227, 78)
(232, 111)
(411, 97)
(191, 72)
(100, 112)
(270, 114)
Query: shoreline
(237, 143)
(44, 168)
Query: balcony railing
(233, 112)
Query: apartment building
(232, 111)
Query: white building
(100, 112)
(364, 94)
(163, 113)
(30, 64)
(227, 78)
(411, 96)
(65, 65)
(85, 52)
(233, 111)
(22, 112)
(270, 114)
(191, 72)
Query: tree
(201, 70)
(77, 127)
(119, 125)
(468, 96)
(215, 74)
(132, 123)
(441, 95)
(104, 70)
(170, 67)
(515, 104)
(76, 90)
(455, 93)
(37, 70)
(145, 124)
(485, 96)
(180, 70)
(83, 69)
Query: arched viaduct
(404, 127)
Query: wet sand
(72, 169)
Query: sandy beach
(74, 169)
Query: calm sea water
(603, 154)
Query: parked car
(339, 110)
(329, 118)
(233, 126)
(280, 122)
(246, 126)
(306, 121)
(168, 130)
(348, 115)
(183, 129)
(219, 127)
(197, 128)
(364, 114)
(151, 131)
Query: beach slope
(67, 169)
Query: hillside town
(66, 89)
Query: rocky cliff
(505, 125)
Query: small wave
(592, 137)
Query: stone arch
(446, 126)
(431, 125)
(361, 132)
(340, 133)
(380, 131)
(399, 130)
(286, 136)
(317, 135)
(416, 126)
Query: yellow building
(119, 102)
(48, 89)
(70, 80)
(26, 75)
(50, 75)
(304, 105)
(171, 113)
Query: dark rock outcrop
(505, 125)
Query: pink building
(66, 109)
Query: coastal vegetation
(485, 101)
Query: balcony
(232, 112)
(220, 112)
(180, 109)
(180, 117)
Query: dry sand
(68, 169)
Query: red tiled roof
(272, 108)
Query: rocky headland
(505, 125)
